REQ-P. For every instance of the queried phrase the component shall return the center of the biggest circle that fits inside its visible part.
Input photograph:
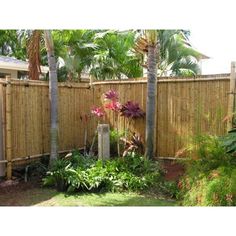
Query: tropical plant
(131, 110)
(176, 58)
(11, 44)
(134, 173)
(114, 58)
(116, 147)
(106, 54)
(76, 50)
(229, 141)
(217, 188)
(210, 174)
(133, 146)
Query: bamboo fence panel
(185, 107)
(188, 108)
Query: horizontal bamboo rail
(43, 83)
(161, 81)
(39, 155)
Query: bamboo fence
(185, 107)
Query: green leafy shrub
(85, 174)
(170, 188)
(58, 174)
(114, 138)
(229, 141)
(210, 178)
(218, 188)
(208, 153)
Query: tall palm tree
(153, 54)
(33, 50)
(53, 91)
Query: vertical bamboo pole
(8, 128)
(232, 97)
(2, 154)
(155, 122)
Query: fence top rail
(44, 83)
(167, 79)
(213, 77)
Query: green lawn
(49, 197)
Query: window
(3, 75)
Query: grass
(49, 197)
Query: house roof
(12, 63)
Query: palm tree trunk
(53, 91)
(151, 100)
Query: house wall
(13, 73)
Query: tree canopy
(104, 54)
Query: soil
(173, 170)
(17, 185)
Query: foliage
(178, 58)
(229, 141)
(217, 188)
(170, 188)
(115, 137)
(85, 174)
(210, 178)
(57, 175)
(75, 49)
(207, 153)
(111, 95)
(114, 58)
(105, 54)
(11, 44)
(133, 145)
(131, 110)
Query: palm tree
(114, 58)
(153, 54)
(177, 57)
(76, 49)
(33, 50)
(53, 91)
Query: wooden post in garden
(8, 128)
(232, 97)
(103, 141)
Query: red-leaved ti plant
(111, 95)
(113, 105)
(98, 111)
(132, 110)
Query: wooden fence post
(232, 97)
(8, 128)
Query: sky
(218, 44)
